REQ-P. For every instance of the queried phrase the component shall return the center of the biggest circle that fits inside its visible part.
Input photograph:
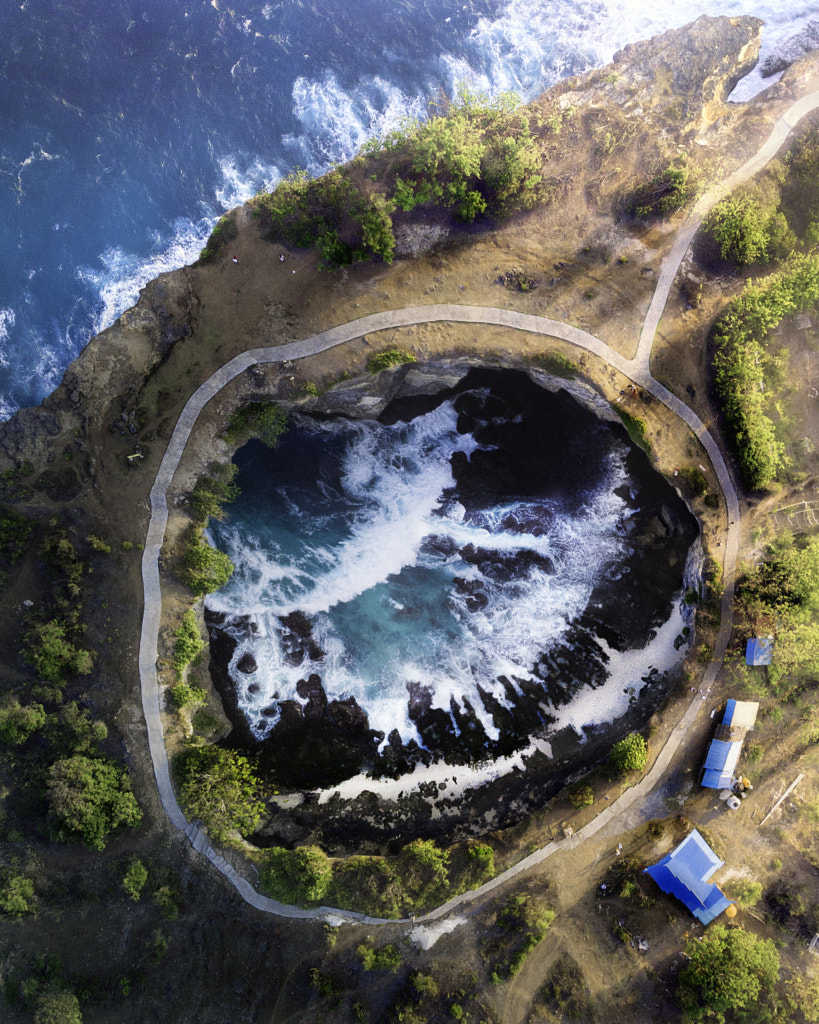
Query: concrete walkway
(637, 369)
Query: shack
(726, 746)
(684, 873)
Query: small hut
(726, 746)
(684, 873)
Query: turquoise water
(406, 574)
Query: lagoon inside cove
(501, 566)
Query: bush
(746, 893)
(136, 875)
(17, 896)
(58, 1008)
(636, 428)
(184, 696)
(695, 478)
(629, 754)
(89, 799)
(665, 193)
(188, 643)
(581, 795)
(300, 876)
(390, 357)
(211, 494)
(263, 420)
(387, 958)
(98, 544)
(203, 569)
(18, 722)
(742, 367)
(52, 655)
(221, 788)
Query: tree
(221, 788)
(52, 655)
(18, 722)
(629, 754)
(17, 896)
(203, 568)
(89, 799)
(730, 977)
(298, 876)
(58, 1008)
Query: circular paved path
(637, 369)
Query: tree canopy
(629, 754)
(89, 798)
(221, 788)
(730, 977)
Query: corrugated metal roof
(741, 713)
(684, 873)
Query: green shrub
(18, 722)
(136, 875)
(221, 788)
(203, 569)
(166, 901)
(262, 420)
(743, 369)
(629, 754)
(185, 696)
(98, 544)
(89, 798)
(52, 655)
(300, 876)
(210, 495)
(15, 531)
(748, 226)
(17, 896)
(696, 480)
(581, 795)
(58, 1008)
(387, 958)
(390, 357)
(745, 892)
(665, 193)
(483, 858)
(556, 364)
(187, 643)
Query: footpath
(637, 369)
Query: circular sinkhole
(491, 571)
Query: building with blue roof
(723, 754)
(759, 651)
(684, 873)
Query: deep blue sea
(128, 126)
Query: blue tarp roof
(720, 763)
(684, 873)
(758, 651)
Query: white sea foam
(122, 275)
(394, 480)
(7, 321)
(424, 936)
(336, 122)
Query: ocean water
(128, 126)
